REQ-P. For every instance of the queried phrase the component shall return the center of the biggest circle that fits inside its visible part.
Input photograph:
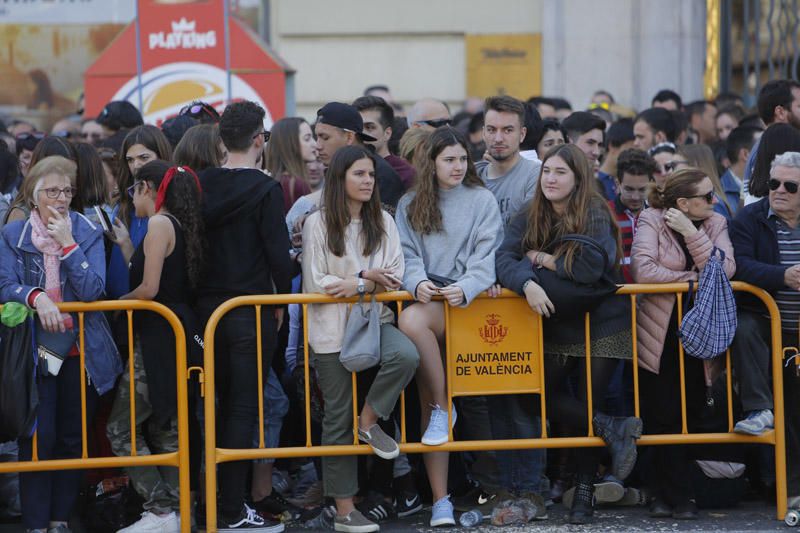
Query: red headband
(171, 173)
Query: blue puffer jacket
(83, 274)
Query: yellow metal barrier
(178, 459)
(484, 319)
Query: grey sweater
(464, 250)
(514, 188)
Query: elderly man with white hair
(766, 241)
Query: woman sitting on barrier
(63, 252)
(567, 233)
(673, 242)
(164, 268)
(352, 248)
(450, 227)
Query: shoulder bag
(361, 345)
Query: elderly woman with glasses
(57, 255)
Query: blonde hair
(54, 164)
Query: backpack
(708, 328)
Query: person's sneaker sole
(356, 529)
(413, 506)
(439, 442)
(633, 430)
(277, 528)
(443, 522)
(608, 492)
(751, 433)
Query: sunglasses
(38, 135)
(790, 186)
(708, 197)
(55, 192)
(196, 109)
(436, 123)
(266, 135)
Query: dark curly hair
(636, 163)
(239, 123)
(182, 200)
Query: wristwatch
(361, 287)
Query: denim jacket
(83, 273)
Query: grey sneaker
(382, 444)
(61, 528)
(756, 423)
(355, 522)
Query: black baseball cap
(119, 114)
(343, 116)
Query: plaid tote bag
(708, 328)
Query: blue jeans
(276, 405)
(50, 496)
(515, 416)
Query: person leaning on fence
(766, 238)
(352, 248)
(57, 255)
(565, 203)
(673, 242)
(164, 268)
(450, 226)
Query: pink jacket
(657, 257)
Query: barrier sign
(494, 346)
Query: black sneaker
(407, 503)
(376, 508)
(248, 520)
(476, 497)
(275, 505)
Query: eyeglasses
(38, 135)
(436, 123)
(790, 186)
(55, 192)
(708, 197)
(132, 189)
(265, 133)
(672, 166)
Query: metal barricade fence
(178, 459)
(514, 334)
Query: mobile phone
(105, 220)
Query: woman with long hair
(200, 148)
(91, 181)
(450, 226)
(564, 203)
(353, 249)
(60, 251)
(291, 145)
(141, 145)
(164, 268)
(673, 242)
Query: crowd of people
(529, 196)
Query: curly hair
(182, 200)
(586, 209)
(424, 214)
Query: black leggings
(570, 410)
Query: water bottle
(471, 518)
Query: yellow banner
(494, 347)
(504, 64)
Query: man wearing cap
(116, 118)
(339, 125)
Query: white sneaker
(438, 433)
(151, 522)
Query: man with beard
(511, 178)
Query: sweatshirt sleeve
(411, 244)
(394, 251)
(315, 258)
(513, 267)
(275, 240)
(480, 272)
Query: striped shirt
(788, 300)
(626, 220)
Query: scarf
(51, 252)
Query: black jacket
(514, 269)
(755, 247)
(390, 186)
(248, 244)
